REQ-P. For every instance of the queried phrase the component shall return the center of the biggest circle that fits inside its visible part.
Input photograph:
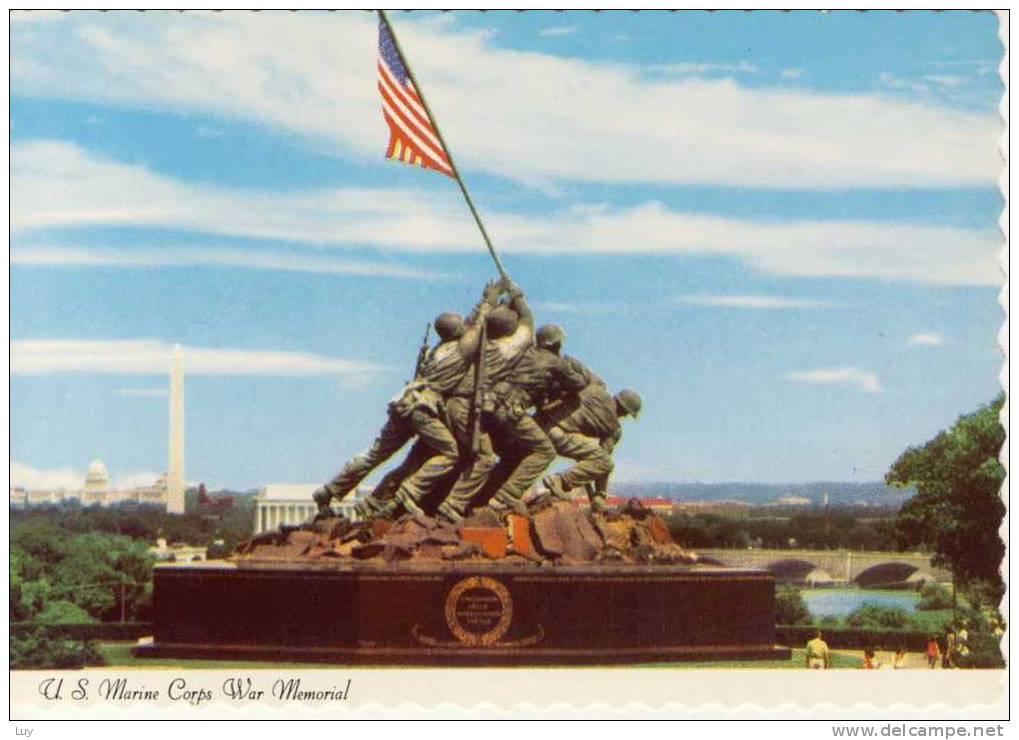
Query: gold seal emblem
(479, 610)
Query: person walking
(899, 661)
(933, 652)
(818, 655)
(870, 661)
(948, 657)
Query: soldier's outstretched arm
(470, 341)
(520, 306)
(489, 297)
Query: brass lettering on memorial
(479, 610)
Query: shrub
(974, 619)
(984, 652)
(854, 638)
(934, 596)
(63, 612)
(869, 615)
(103, 631)
(35, 650)
(790, 607)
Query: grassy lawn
(797, 661)
(119, 654)
(933, 621)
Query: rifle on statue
(423, 352)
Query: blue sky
(779, 228)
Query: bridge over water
(841, 565)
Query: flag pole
(449, 154)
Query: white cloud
(894, 82)
(144, 392)
(244, 259)
(947, 80)
(37, 16)
(36, 479)
(520, 114)
(55, 184)
(683, 69)
(791, 74)
(927, 339)
(150, 357)
(558, 31)
(208, 132)
(580, 307)
(751, 301)
(69, 479)
(862, 379)
(979, 66)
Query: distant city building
(290, 503)
(97, 479)
(728, 509)
(656, 504)
(792, 501)
(177, 552)
(95, 491)
(209, 505)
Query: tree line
(73, 564)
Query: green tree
(790, 608)
(957, 509)
(63, 612)
(877, 616)
(934, 596)
(35, 650)
(99, 570)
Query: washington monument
(175, 470)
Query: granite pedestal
(462, 613)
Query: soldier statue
(493, 399)
(417, 411)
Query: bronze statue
(490, 406)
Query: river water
(827, 602)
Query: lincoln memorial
(290, 503)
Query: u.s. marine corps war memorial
(468, 550)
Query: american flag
(412, 137)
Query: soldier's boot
(408, 502)
(504, 504)
(371, 508)
(554, 484)
(322, 497)
(448, 513)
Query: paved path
(887, 657)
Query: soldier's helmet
(550, 335)
(449, 325)
(629, 400)
(501, 322)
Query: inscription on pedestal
(479, 610)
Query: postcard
(368, 359)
